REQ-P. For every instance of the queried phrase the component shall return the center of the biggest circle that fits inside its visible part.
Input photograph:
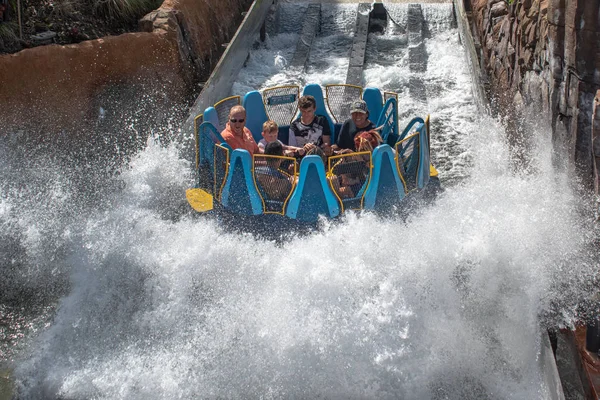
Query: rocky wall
(112, 81)
(544, 54)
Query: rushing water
(447, 303)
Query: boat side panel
(388, 120)
(239, 194)
(388, 192)
(312, 196)
(424, 163)
(385, 188)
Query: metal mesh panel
(221, 162)
(281, 103)
(340, 98)
(349, 175)
(223, 108)
(274, 177)
(407, 159)
(390, 95)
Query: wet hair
(317, 151)
(364, 145)
(274, 149)
(367, 141)
(236, 109)
(307, 101)
(270, 126)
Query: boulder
(499, 9)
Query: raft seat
(211, 115)
(256, 114)
(374, 100)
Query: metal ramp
(359, 45)
(417, 54)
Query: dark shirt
(345, 139)
(273, 183)
(301, 134)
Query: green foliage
(124, 10)
(9, 32)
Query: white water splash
(445, 304)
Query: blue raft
(245, 184)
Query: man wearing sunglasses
(236, 134)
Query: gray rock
(44, 37)
(499, 9)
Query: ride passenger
(349, 184)
(236, 134)
(310, 130)
(367, 141)
(275, 183)
(269, 133)
(317, 151)
(359, 122)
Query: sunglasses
(236, 120)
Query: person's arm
(291, 151)
(261, 147)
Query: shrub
(125, 10)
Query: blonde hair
(364, 145)
(367, 141)
(270, 126)
(236, 109)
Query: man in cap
(359, 122)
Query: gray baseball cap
(359, 106)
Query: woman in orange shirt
(236, 134)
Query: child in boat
(310, 130)
(358, 123)
(348, 184)
(273, 182)
(269, 133)
(367, 141)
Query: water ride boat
(396, 170)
